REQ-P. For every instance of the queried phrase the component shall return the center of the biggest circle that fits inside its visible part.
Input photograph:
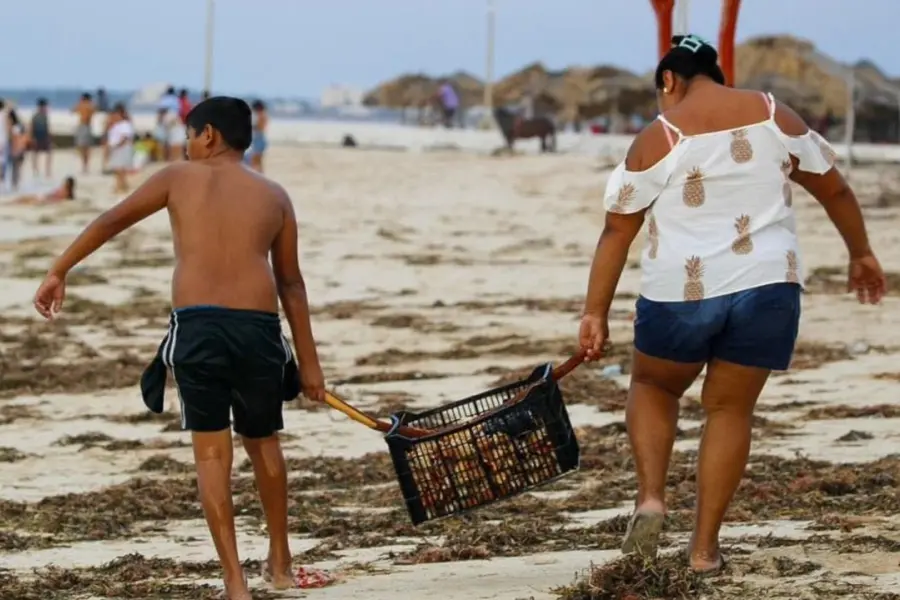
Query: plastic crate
(483, 449)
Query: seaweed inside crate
(478, 464)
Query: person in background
(102, 101)
(449, 100)
(143, 151)
(84, 137)
(205, 95)
(19, 141)
(184, 104)
(41, 142)
(259, 143)
(120, 140)
(721, 275)
(167, 128)
(64, 192)
(4, 142)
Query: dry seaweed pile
(127, 577)
(635, 577)
(37, 357)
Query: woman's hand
(866, 278)
(593, 336)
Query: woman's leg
(651, 415)
(759, 337)
(730, 392)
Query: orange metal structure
(664, 10)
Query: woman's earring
(665, 90)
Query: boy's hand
(313, 382)
(50, 295)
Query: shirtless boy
(84, 137)
(224, 347)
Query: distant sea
(281, 108)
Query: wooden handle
(372, 423)
(569, 366)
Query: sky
(297, 48)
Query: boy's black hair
(689, 57)
(229, 116)
(42, 102)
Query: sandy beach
(432, 276)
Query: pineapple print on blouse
(719, 209)
(624, 198)
(742, 244)
(791, 275)
(693, 194)
(693, 287)
(652, 238)
(786, 192)
(741, 149)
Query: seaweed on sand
(128, 577)
(634, 577)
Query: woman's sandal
(642, 535)
(712, 571)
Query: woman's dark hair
(689, 57)
(70, 188)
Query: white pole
(850, 118)
(488, 99)
(208, 68)
(680, 18)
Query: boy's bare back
(225, 221)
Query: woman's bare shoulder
(649, 147)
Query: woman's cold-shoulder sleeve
(628, 192)
(814, 153)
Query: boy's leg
(213, 457)
(205, 412)
(271, 479)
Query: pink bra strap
(668, 134)
(770, 104)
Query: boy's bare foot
(236, 589)
(280, 578)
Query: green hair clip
(692, 42)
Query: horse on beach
(515, 128)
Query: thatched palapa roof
(793, 69)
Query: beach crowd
(109, 128)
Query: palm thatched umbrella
(531, 79)
(794, 93)
(623, 93)
(398, 92)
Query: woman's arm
(649, 147)
(830, 189)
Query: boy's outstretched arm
(149, 198)
(292, 292)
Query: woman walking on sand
(260, 143)
(120, 141)
(721, 274)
